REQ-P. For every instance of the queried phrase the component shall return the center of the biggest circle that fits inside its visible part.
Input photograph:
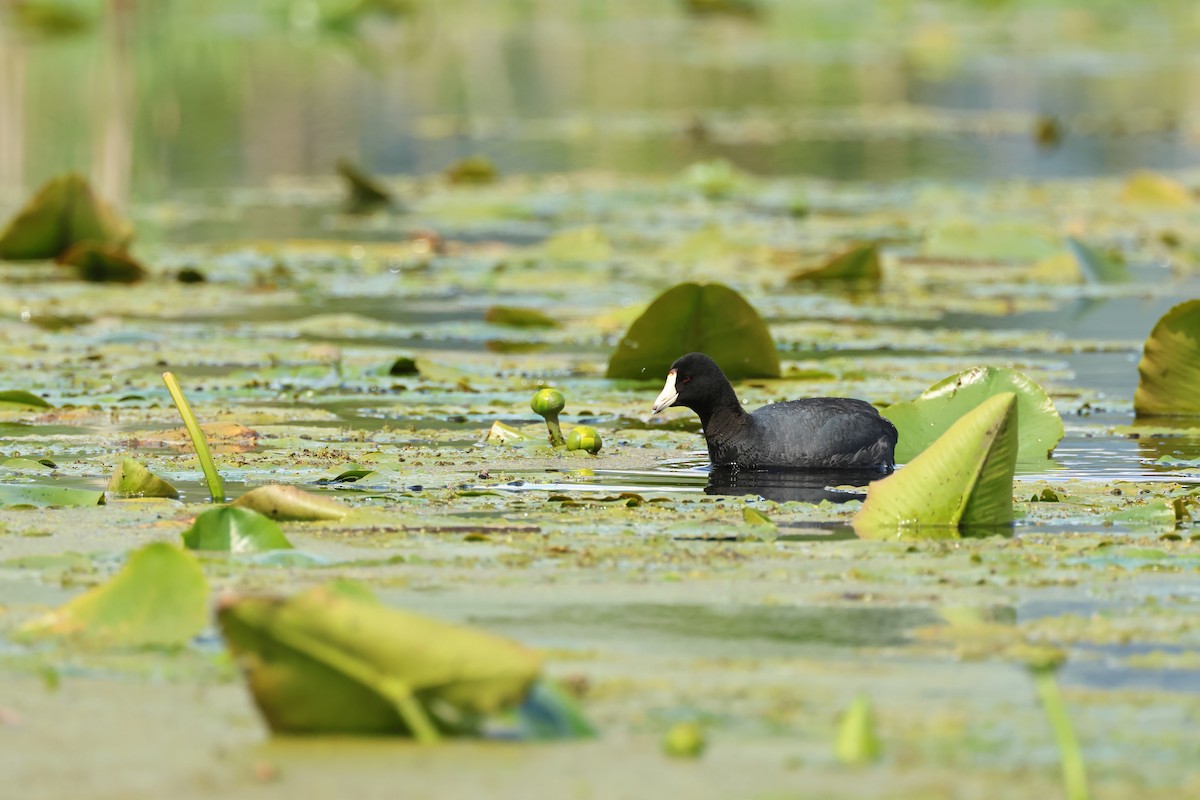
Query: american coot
(815, 433)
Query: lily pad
(63, 213)
(366, 192)
(582, 244)
(857, 742)
(923, 420)
(714, 179)
(1152, 189)
(37, 495)
(858, 264)
(964, 479)
(324, 662)
(234, 530)
(996, 241)
(100, 263)
(473, 171)
(132, 479)
(1169, 372)
(159, 598)
(1097, 267)
(22, 400)
(514, 317)
(278, 501)
(691, 317)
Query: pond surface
(661, 591)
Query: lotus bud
(584, 438)
(549, 403)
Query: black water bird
(813, 433)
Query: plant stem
(556, 437)
(215, 487)
(1074, 770)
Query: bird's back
(824, 432)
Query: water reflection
(802, 486)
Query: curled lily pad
(501, 433)
(325, 662)
(366, 192)
(35, 495)
(518, 317)
(278, 501)
(132, 479)
(1169, 372)
(63, 213)
(963, 479)
(234, 530)
(858, 264)
(923, 420)
(101, 263)
(159, 598)
(19, 399)
(709, 318)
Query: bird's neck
(723, 415)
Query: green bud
(684, 740)
(584, 438)
(548, 403)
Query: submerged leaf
(859, 263)
(290, 503)
(132, 479)
(159, 598)
(63, 213)
(325, 662)
(100, 263)
(1169, 372)
(234, 530)
(708, 318)
(923, 420)
(34, 495)
(514, 317)
(963, 479)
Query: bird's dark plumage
(814, 433)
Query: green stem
(215, 487)
(556, 437)
(1073, 768)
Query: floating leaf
(501, 433)
(858, 264)
(324, 662)
(27, 465)
(473, 170)
(582, 244)
(159, 598)
(709, 318)
(282, 502)
(514, 317)
(714, 179)
(365, 191)
(1169, 372)
(22, 400)
(923, 420)
(404, 365)
(857, 743)
(63, 213)
(1152, 189)
(963, 479)
(99, 263)
(1096, 266)
(34, 495)
(234, 530)
(132, 479)
(746, 9)
(996, 241)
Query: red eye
(686, 379)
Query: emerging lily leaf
(366, 192)
(325, 662)
(63, 213)
(709, 318)
(857, 743)
(21, 399)
(1169, 372)
(1152, 189)
(132, 479)
(858, 264)
(159, 598)
(99, 263)
(33, 495)
(1096, 266)
(963, 479)
(234, 530)
(290, 503)
(923, 420)
(518, 317)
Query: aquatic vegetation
(1096, 267)
(22, 399)
(1044, 663)
(710, 318)
(514, 317)
(159, 598)
(583, 437)
(100, 263)
(963, 480)
(1155, 189)
(859, 264)
(548, 404)
(474, 170)
(131, 478)
(38, 495)
(63, 213)
(366, 192)
(685, 740)
(290, 503)
(215, 486)
(234, 529)
(857, 742)
(1169, 371)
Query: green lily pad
(366, 192)
(996, 241)
(1169, 372)
(132, 479)
(1097, 267)
(920, 422)
(581, 244)
(714, 179)
(22, 400)
(473, 171)
(26, 465)
(710, 318)
(857, 742)
(324, 662)
(1152, 189)
(514, 317)
(159, 598)
(36, 495)
(278, 501)
(234, 530)
(63, 213)
(100, 263)
(858, 264)
(963, 479)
